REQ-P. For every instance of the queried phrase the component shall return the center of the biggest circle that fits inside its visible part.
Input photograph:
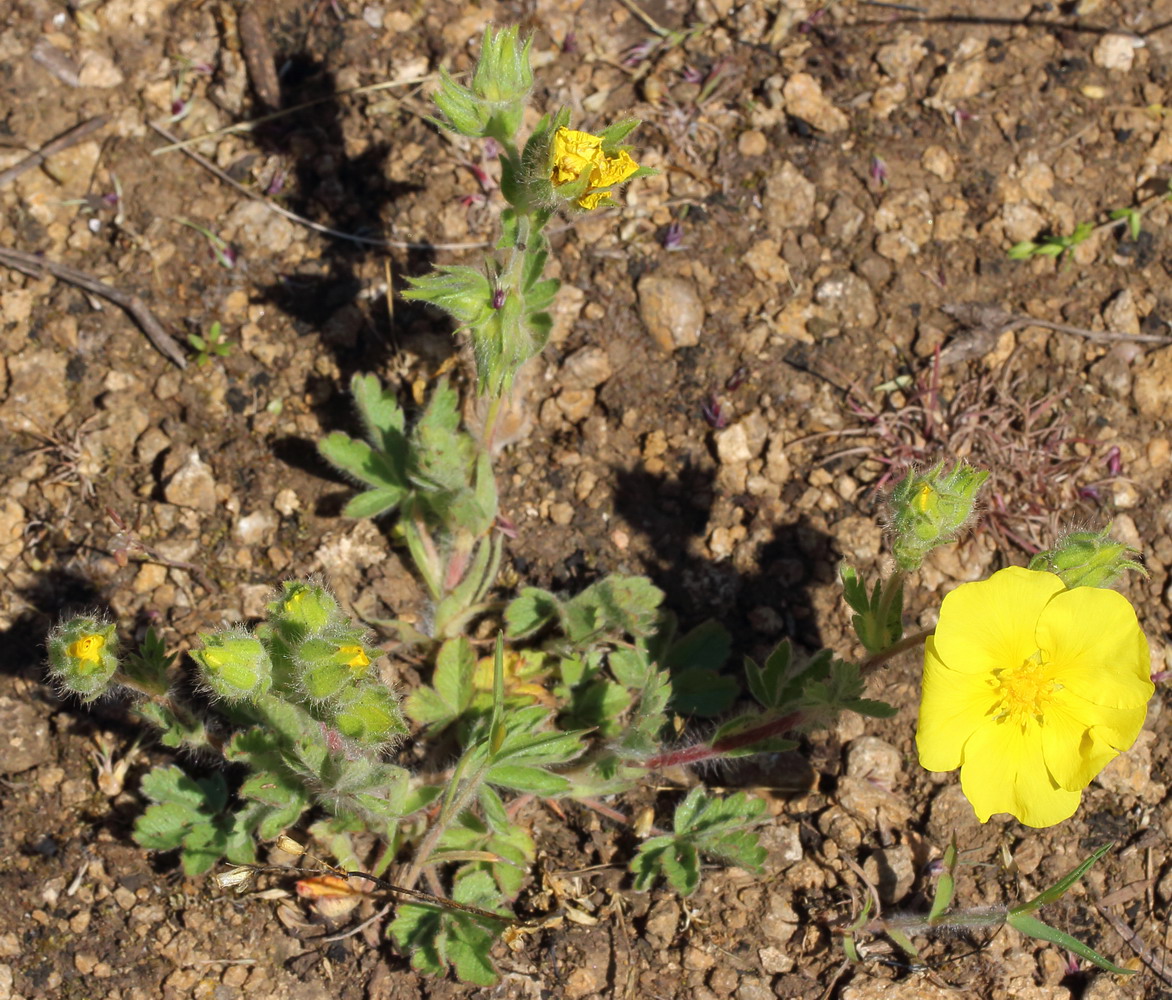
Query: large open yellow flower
(574, 153)
(1030, 689)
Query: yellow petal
(573, 153)
(1118, 726)
(1098, 650)
(591, 200)
(952, 707)
(1004, 771)
(614, 170)
(1074, 751)
(990, 625)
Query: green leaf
(436, 937)
(599, 706)
(534, 780)
(1063, 885)
(372, 503)
(529, 612)
(631, 667)
(382, 417)
(162, 826)
(454, 666)
(768, 683)
(703, 693)
(706, 647)
(672, 858)
(946, 885)
(1031, 926)
(360, 460)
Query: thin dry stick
(1153, 962)
(308, 223)
(66, 139)
(36, 267)
(1020, 320)
(248, 126)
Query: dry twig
(66, 139)
(37, 267)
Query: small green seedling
(215, 344)
(942, 919)
(1052, 246)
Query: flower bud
(494, 104)
(931, 509)
(235, 665)
(372, 716)
(327, 665)
(83, 656)
(1088, 559)
(301, 610)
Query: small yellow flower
(354, 657)
(88, 648)
(575, 153)
(1031, 689)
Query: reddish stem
(734, 741)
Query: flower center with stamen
(1026, 691)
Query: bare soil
(842, 176)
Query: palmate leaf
(703, 824)
(436, 938)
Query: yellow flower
(354, 657)
(1031, 689)
(575, 153)
(88, 648)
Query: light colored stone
(257, 229)
(24, 736)
(844, 221)
(586, 368)
(804, 99)
(937, 160)
(892, 871)
(732, 444)
(963, 79)
(12, 525)
(1153, 384)
(575, 404)
(567, 306)
(1021, 221)
(1115, 52)
(286, 502)
(671, 310)
(900, 58)
(789, 199)
(256, 529)
(1121, 313)
(848, 299)
(764, 259)
(98, 70)
(37, 392)
(192, 485)
(752, 143)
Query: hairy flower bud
(83, 656)
(495, 103)
(301, 610)
(235, 665)
(930, 509)
(1088, 559)
(371, 717)
(328, 664)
